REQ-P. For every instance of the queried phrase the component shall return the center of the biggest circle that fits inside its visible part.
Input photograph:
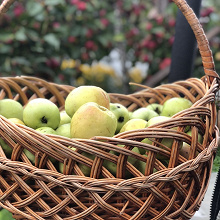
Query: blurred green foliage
(38, 37)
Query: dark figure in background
(184, 47)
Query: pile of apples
(88, 113)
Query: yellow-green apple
(134, 124)
(175, 105)
(46, 130)
(16, 121)
(64, 130)
(64, 118)
(83, 94)
(41, 112)
(10, 108)
(185, 149)
(92, 120)
(121, 113)
(5, 148)
(166, 141)
(155, 107)
(144, 113)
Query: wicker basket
(174, 191)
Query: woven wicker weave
(174, 191)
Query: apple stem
(44, 120)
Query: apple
(5, 148)
(29, 155)
(92, 120)
(64, 130)
(157, 119)
(41, 112)
(112, 167)
(131, 159)
(141, 166)
(85, 169)
(121, 113)
(144, 113)
(83, 94)
(10, 108)
(46, 130)
(185, 149)
(175, 105)
(16, 121)
(64, 118)
(133, 124)
(168, 142)
(155, 107)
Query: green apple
(16, 121)
(144, 113)
(29, 155)
(121, 113)
(5, 148)
(133, 124)
(155, 107)
(10, 108)
(41, 112)
(83, 94)
(64, 118)
(64, 130)
(92, 120)
(175, 105)
(131, 159)
(157, 119)
(141, 166)
(85, 169)
(185, 149)
(46, 130)
(166, 141)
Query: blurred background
(104, 43)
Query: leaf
(52, 40)
(34, 8)
(21, 61)
(6, 36)
(54, 2)
(20, 34)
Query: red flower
(104, 22)
(90, 45)
(149, 26)
(171, 40)
(71, 39)
(89, 33)
(79, 4)
(56, 25)
(172, 22)
(52, 63)
(18, 10)
(102, 13)
(85, 56)
(159, 20)
(165, 63)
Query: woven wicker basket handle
(203, 44)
